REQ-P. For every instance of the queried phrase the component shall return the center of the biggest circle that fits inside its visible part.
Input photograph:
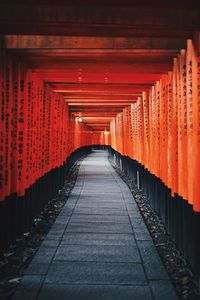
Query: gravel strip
(176, 266)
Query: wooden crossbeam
(97, 20)
(88, 42)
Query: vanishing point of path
(99, 247)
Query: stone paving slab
(101, 223)
(37, 268)
(29, 287)
(142, 234)
(102, 227)
(99, 218)
(102, 211)
(98, 253)
(163, 289)
(96, 273)
(95, 292)
(99, 247)
(151, 260)
(101, 197)
(98, 239)
(100, 205)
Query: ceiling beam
(104, 100)
(42, 53)
(121, 104)
(145, 79)
(96, 109)
(96, 96)
(81, 70)
(98, 87)
(97, 20)
(98, 3)
(87, 42)
(95, 114)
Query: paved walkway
(99, 247)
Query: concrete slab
(101, 211)
(37, 268)
(151, 261)
(99, 218)
(101, 205)
(44, 255)
(101, 197)
(102, 227)
(142, 234)
(96, 273)
(98, 239)
(163, 289)
(95, 292)
(29, 287)
(98, 253)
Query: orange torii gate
(165, 128)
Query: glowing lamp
(106, 132)
(79, 119)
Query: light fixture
(80, 75)
(79, 118)
(106, 132)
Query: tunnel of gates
(155, 140)
(39, 143)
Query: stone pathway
(99, 247)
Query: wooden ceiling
(99, 57)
